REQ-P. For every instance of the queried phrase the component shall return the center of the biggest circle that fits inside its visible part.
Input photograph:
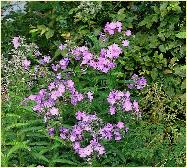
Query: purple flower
(70, 84)
(126, 129)
(62, 47)
(117, 136)
(139, 83)
(51, 131)
(125, 43)
(112, 27)
(128, 33)
(26, 63)
(51, 86)
(79, 115)
(102, 36)
(100, 149)
(54, 111)
(120, 125)
(64, 63)
(37, 53)
(127, 105)
(16, 42)
(113, 51)
(55, 67)
(90, 96)
(61, 88)
(55, 94)
(136, 106)
(58, 76)
(46, 59)
(112, 110)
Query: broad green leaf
(33, 30)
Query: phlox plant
(62, 91)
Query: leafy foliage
(157, 51)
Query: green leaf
(154, 73)
(63, 161)
(181, 35)
(39, 157)
(183, 85)
(180, 70)
(33, 30)
(49, 34)
(162, 48)
(18, 146)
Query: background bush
(157, 51)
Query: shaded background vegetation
(157, 51)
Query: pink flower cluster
(139, 82)
(104, 62)
(45, 60)
(113, 27)
(88, 123)
(63, 63)
(121, 99)
(110, 131)
(47, 98)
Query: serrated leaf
(39, 156)
(18, 146)
(17, 125)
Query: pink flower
(55, 67)
(76, 145)
(88, 150)
(114, 51)
(100, 149)
(128, 33)
(125, 43)
(51, 86)
(26, 63)
(127, 105)
(136, 106)
(70, 83)
(120, 125)
(62, 47)
(46, 59)
(16, 42)
(61, 88)
(82, 153)
(112, 110)
(55, 94)
(90, 96)
(54, 111)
